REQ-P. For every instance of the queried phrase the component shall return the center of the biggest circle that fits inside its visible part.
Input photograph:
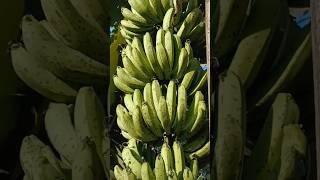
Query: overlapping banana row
(167, 59)
(151, 114)
(183, 17)
(140, 161)
(51, 68)
(78, 24)
(81, 142)
(281, 143)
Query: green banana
(131, 81)
(163, 59)
(192, 4)
(177, 46)
(86, 164)
(166, 154)
(120, 84)
(232, 15)
(169, 46)
(181, 65)
(181, 109)
(53, 32)
(197, 31)
(136, 43)
(151, 55)
(129, 15)
(147, 94)
(140, 127)
(141, 62)
(89, 120)
(171, 99)
(48, 153)
(188, 78)
(126, 121)
(79, 33)
(203, 152)
(131, 26)
(130, 34)
(200, 119)
(231, 128)
(160, 170)
(187, 46)
(199, 82)
(35, 163)
(265, 159)
(146, 172)
(137, 98)
(197, 141)
(179, 159)
(48, 85)
(157, 6)
(133, 70)
(163, 115)
(187, 174)
(192, 71)
(300, 57)
(156, 93)
(92, 12)
(126, 135)
(193, 109)
(127, 99)
(132, 160)
(61, 60)
(127, 52)
(61, 133)
(118, 172)
(143, 8)
(151, 120)
(293, 150)
(167, 24)
(189, 23)
(247, 59)
(194, 168)
(128, 37)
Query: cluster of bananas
(162, 81)
(184, 17)
(167, 60)
(81, 142)
(140, 161)
(65, 51)
(148, 115)
(261, 51)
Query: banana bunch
(165, 60)
(51, 68)
(266, 155)
(82, 144)
(169, 163)
(147, 116)
(39, 162)
(183, 17)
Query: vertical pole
(315, 28)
